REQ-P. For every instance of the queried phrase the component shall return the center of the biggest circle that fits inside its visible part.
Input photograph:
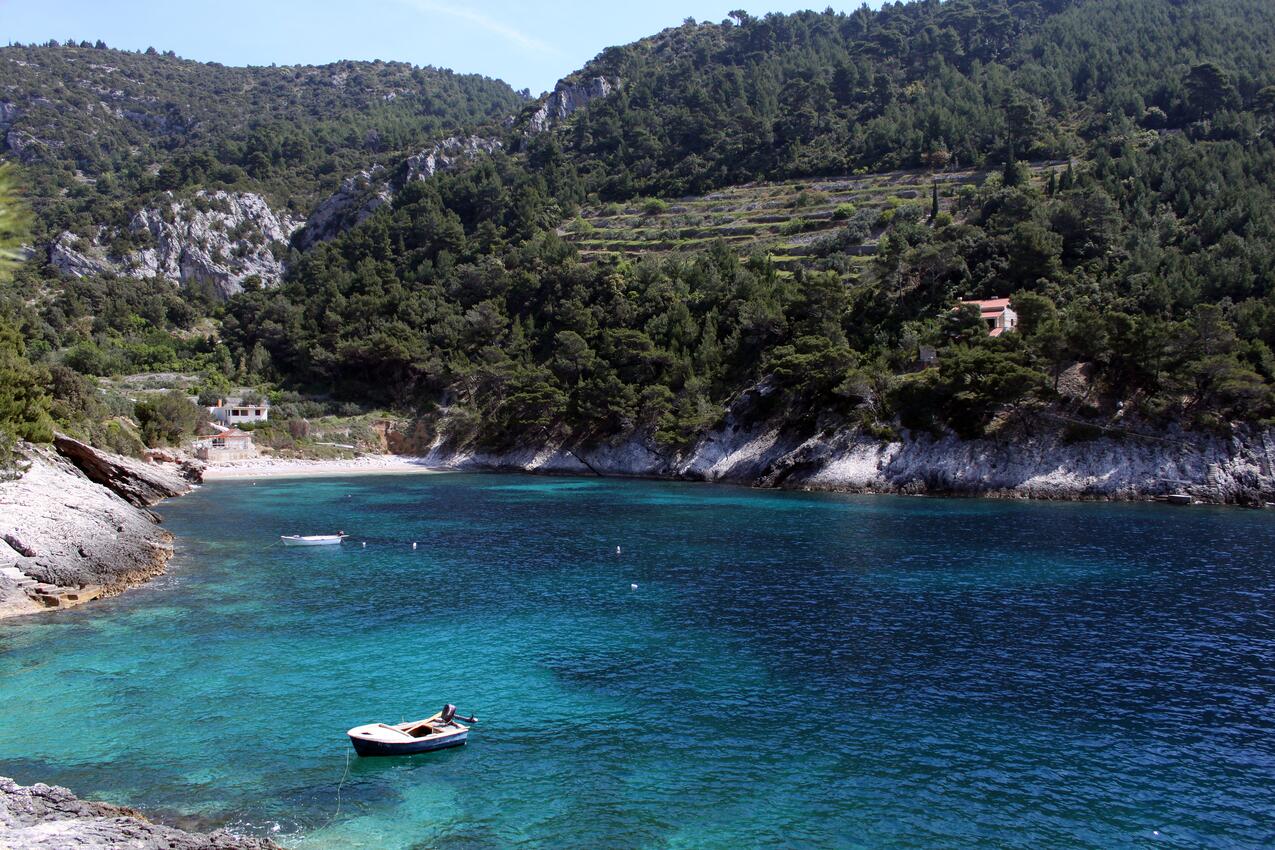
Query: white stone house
(235, 410)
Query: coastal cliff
(49, 817)
(1040, 459)
(74, 526)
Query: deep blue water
(793, 670)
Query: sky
(528, 45)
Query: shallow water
(793, 670)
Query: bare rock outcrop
(359, 196)
(138, 482)
(362, 194)
(1038, 458)
(65, 539)
(565, 100)
(49, 817)
(448, 155)
(213, 240)
(26, 147)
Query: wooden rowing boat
(405, 739)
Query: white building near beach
(230, 444)
(235, 410)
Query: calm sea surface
(792, 670)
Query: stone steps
(49, 595)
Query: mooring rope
(339, 785)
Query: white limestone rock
(213, 240)
(448, 155)
(77, 257)
(359, 196)
(49, 817)
(26, 147)
(1036, 460)
(65, 539)
(565, 100)
(362, 194)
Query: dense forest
(1141, 270)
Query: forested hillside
(1141, 267)
(98, 129)
(915, 84)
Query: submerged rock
(49, 817)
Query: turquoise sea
(792, 670)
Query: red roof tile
(990, 305)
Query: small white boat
(313, 539)
(418, 736)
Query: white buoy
(617, 550)
(364, 544)
(633, 587)
(413, 545)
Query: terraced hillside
(793, 221)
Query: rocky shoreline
(75, 526)
(1044, 458)
(49, 817)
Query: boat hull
(366, 747)
(301, 541)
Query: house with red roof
(996, 314)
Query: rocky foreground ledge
(74, 526)
(48, 817)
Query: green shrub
(654, 206)
(844, 211)
(168, 419)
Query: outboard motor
(449, 712)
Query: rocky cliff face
(448, 155)
(360, 195)
(48, 817)
(140, 483)
(1032, 461)
(212, 241)
(66, 539)
(364, 193)
(566, 99)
